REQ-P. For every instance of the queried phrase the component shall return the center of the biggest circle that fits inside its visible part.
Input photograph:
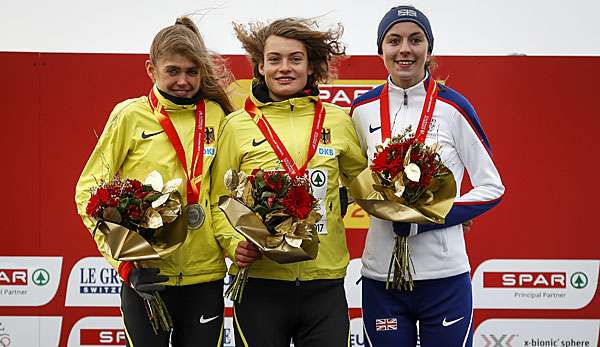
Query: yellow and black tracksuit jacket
(132, 145)
(338, 157)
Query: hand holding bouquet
(274, 211)
(140, 221)
(407, 182)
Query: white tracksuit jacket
(437, 251)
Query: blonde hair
(323, 47)
(184, 38)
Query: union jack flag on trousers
(386, 324)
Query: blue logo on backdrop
(105, 281)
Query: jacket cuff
(124, 270)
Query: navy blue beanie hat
(404, 14)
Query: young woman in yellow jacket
(186, 91)
(305, 301)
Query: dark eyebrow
(416, 33)
(277, 53)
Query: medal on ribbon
(195, 212)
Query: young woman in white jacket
(441, 300)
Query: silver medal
(195, 214)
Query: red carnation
(389, 162)
(134, 212)
(137, 185)
(298, 202)
(93, 206)
(140, 194)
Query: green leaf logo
(317, 178)
(40, 277)
(579, 280)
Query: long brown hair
(323, 47)
(184, 38)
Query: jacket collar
(260, 97)
(418, 88)
(170, 105)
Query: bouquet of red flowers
(274, 211)
(407, 171)
(407, 182)
(140, 221)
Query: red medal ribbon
(426, 113)
(194, 178)
(282, 154)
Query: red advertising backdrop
(534, 258)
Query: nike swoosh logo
(372, 130)
(145, 136)
(449, 323)
(204, 321)
(257, 143)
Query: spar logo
(343, 94)
(535, 283)
(13, 277)
(543, 280)
(102, 337)
(504, 340)
(524, 279)
(20, 277)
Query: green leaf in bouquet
(276, 206)
(152, 197)
(131, 201)
(260, 209)
(259, 181)
(266, 195)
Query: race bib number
(318, 182)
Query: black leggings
(197, 312)
(311, 313)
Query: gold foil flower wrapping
(159, 232)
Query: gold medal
(196, 216)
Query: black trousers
(197, 312)
(311, 313)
